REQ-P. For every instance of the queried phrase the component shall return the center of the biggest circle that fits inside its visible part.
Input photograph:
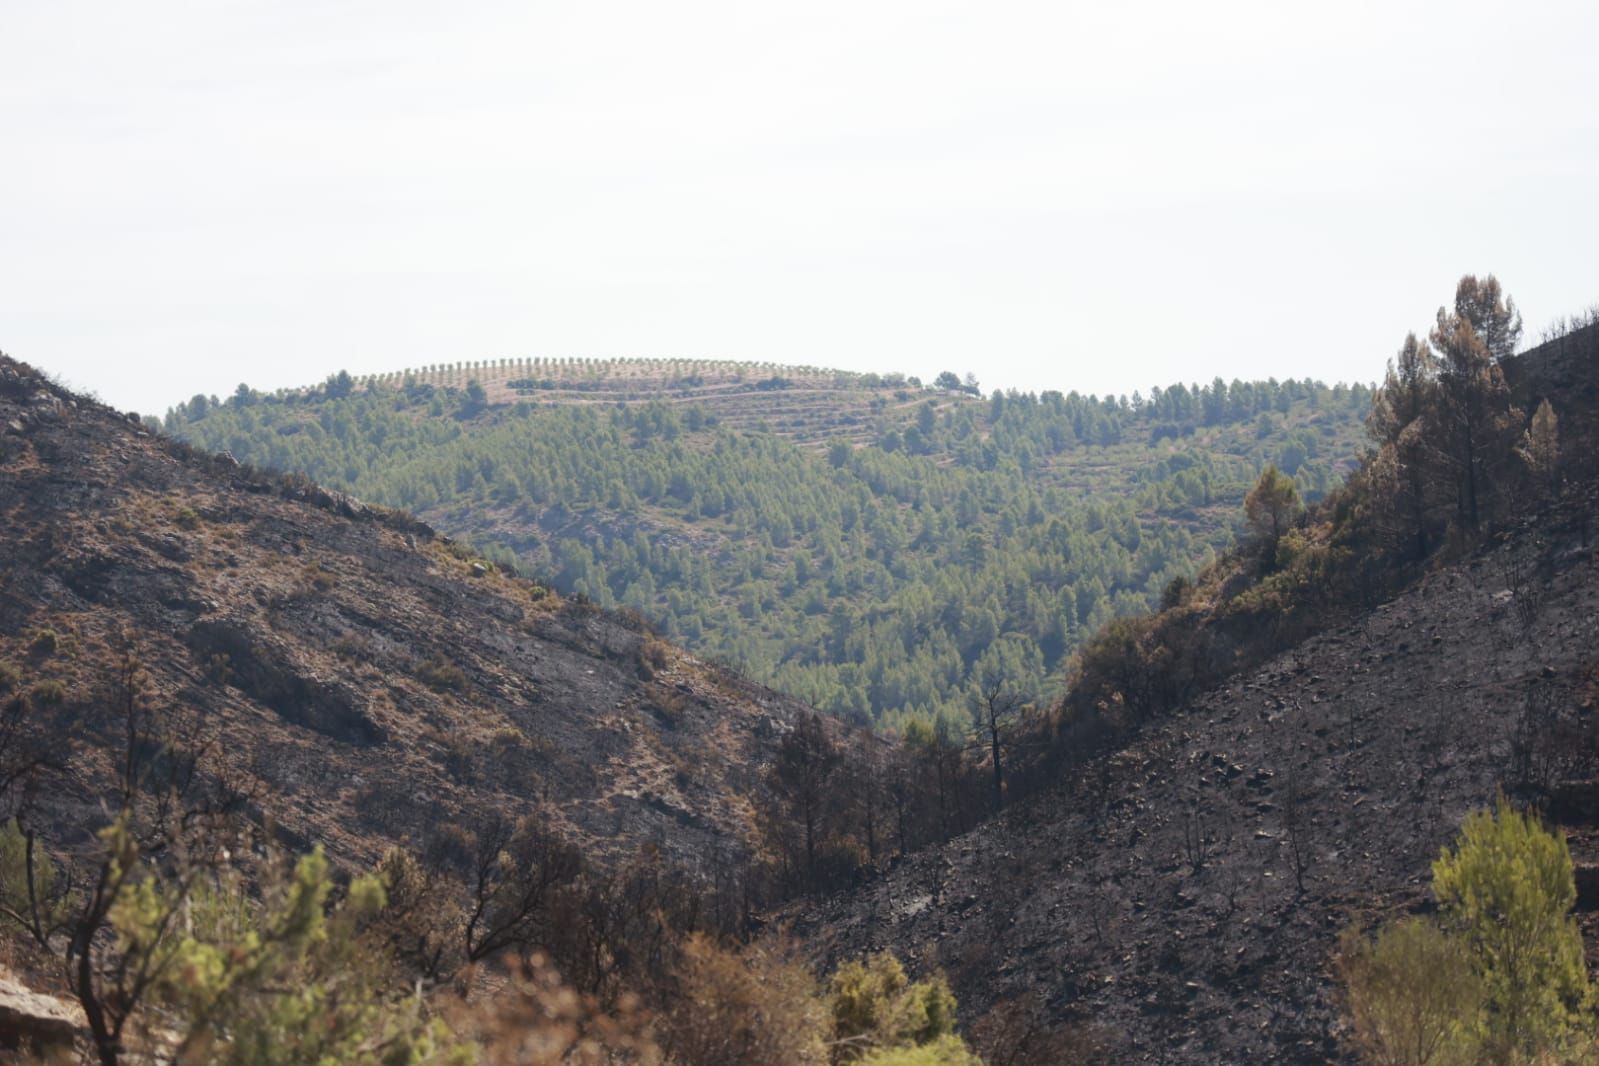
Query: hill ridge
(327, 638)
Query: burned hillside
(364, 680)
(1279, 756)
(1184, 896)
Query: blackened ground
(1158, 897)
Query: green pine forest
(885, 566)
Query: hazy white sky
(1099, 196)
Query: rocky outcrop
(262, 668)
(38, 1024)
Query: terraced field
(810, 406)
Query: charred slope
(365, 681)
(1186, 893)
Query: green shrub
(10, 677)
(507, 740)
(294, 982)
(320, 579)
(33, 896)
(1499, 977)
(1507, 891)
(948, 1050)
(669, 706)
(45, 642)
(1412, 995)
(874, 1005)
(462, 757)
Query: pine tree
(1475, 409)
(1401, 420)
(801, 774)
(1406, 393)
(1492, 314)
(1507, 889)
(1272, 504)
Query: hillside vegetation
(878, 549)
(1468, 437)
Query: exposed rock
(35, 1022)
(265, 673)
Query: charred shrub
(651, 658)
(441, 676)
(49, 693)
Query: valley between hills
(717, 713)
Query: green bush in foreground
(1412, 993)
(876, 1006)
(947, 1050)
(290, 980)
(1498, 977)
(1507, 891)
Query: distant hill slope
(864, 544)
(367, 682)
